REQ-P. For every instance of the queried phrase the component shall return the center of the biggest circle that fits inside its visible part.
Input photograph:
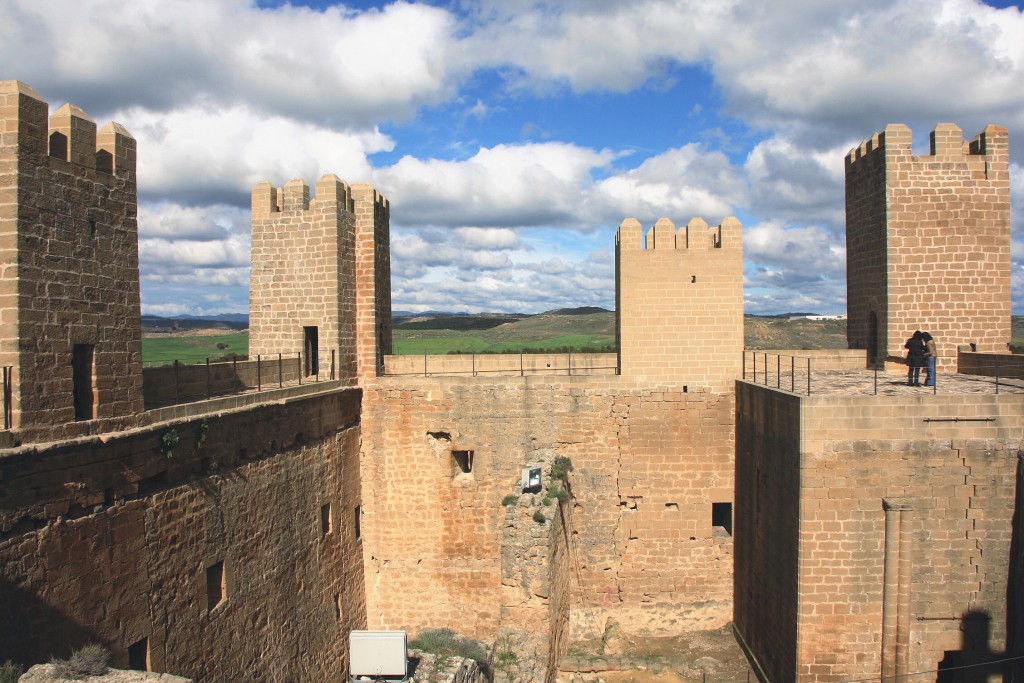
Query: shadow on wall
(33, 632)
(974, 662)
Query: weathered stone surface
(43, 673)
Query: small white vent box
(531, 479)
(377, 654)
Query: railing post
(298, 365)
(280, 370)
(778, 371)
(792, 374)
(744, 363)
(808, 376)
(474, 363)
(208, 389)
(570, 363)
(876, 379)
(997, 382)
(176, 380)
(424, 365)
(754, 356)
(8, 393)
(522, 371)
(234, 373)
(259, 373)
(318, 366)
(332, 365)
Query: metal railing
(180, 382)
(8, 396)
(450, 365)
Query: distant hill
(224, 321)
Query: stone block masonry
(679, 302)
(873, 533)
(69, 295)
(650, 461)
(226, 544)
(321, 279)
(928, 242)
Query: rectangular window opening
(311, 344)
(721, 519)
(138, 655)
(82, 371)
(326, 523)
(356, 523)
(339, 609)
(216, 588)
(462, 462)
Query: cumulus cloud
(500, 186)
(331, 65)
(201, 155)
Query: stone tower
(679, 303)
(69, 294)
(320, 282)
(928, 242)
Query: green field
(164, 350)
(577, 343)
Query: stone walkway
(884, 383)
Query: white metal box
(378, 654)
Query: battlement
(69, 135)
(989, 150)
(332, 195)
(695, 235)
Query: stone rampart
(928, 241)
(503, 364)
(650, 464)
(1009, 365)
(211, 545)
(901, 505)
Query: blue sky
(513, 136)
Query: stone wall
(69, 296)
(504, 364)
(131, 536)
(649, 462)
(303, 271)
(1009, 365)
(928, 239)
(679, 303)
(900, 542)
(372, 278)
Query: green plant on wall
(201, 431)
(539, 517)
(510, 499)
(561, 467)
(10, 672)
(168, 442)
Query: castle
(237, 521)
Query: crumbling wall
(226, 541)
(649, 462)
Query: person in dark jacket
(915, 358)
(930, 354)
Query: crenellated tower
(679, 302)
(320, 281)
(69, 317)
(928, 242)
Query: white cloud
(500, 186)
(334, 65)
(202, 155)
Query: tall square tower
(928, 242)
(679, 302)
(69, 290)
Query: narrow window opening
(59, 145)
(462, 462)
(326, 523)
(721, 519)
(92, 227)
(105, 162)
(138, 655)
(311, 343)
(359, 532)
(339, 609)
(693, 278)
(216, 589)
(82, 369)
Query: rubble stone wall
(649, 462)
